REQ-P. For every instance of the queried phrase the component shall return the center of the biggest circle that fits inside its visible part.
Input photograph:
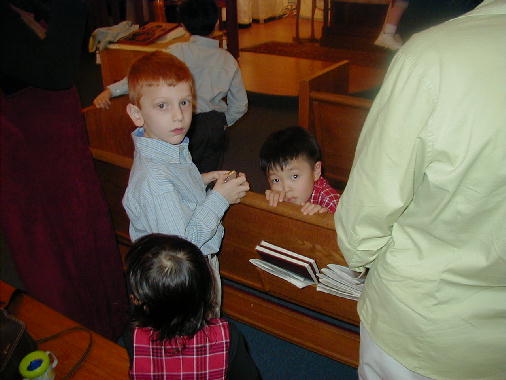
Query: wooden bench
(317, 321)
(106, 360)
(334, 117)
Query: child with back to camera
(165, 192)
(217, 76)
(291, 161)
(174, 335)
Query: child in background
(166, 193)
(174, 335)
(291, 160)
(388, 37)
(216, 75)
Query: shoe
(388, 41)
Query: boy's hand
(103, 100)
(213, 176)
(233, 189)
(311, 209)
(274, 197)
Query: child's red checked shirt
(324, 195)
(201, 357)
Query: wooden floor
(277, 75)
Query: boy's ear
(135, 114)
(317, 170)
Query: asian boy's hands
(233, 189)
(213, 176)
(311, 209)
(274, 197)
(103, 100)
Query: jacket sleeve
(119, 88)
(237, 100)
(389, 162)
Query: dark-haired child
(291, 161)
(216, 75)
(174, 335)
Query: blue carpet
(277, 359)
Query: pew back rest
(253, 220)
(334, 117)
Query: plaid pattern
(324, 195)
(202, 357)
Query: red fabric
(201, 357)
(325, 195)
(54, 217)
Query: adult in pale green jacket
(425, 205)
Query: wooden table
(106, 360)
(117, 58)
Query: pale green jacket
(425, 205)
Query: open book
(293, 267)
(341, 281)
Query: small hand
(311, 209)
(212, 176)
(103, 100)
(274, 197)
(234, 189)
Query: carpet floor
(370, 56)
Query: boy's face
(296, 179)
(164, 111)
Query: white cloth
(101, 37)
(376, 364)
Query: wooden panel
(337, 125)
(315, 335)
(110, 130)
(333, 79)
(252, 221)
(106, 360)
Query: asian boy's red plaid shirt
(324, 195)
(204, 356)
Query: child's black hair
(199, 17)
(171, 285)
(286, 145)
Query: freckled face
(296, 179)
(164, 111)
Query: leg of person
(376, 364)
(207, 140)
(214, 265)
(388, 37)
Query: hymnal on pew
(293, 267)
(302, 271)
(341, 281)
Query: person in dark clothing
(54, 218)
(174, 334)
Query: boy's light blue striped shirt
(166, 194)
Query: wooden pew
(250, 295)
(106, 360)
(334, 117)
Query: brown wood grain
(313, 334)
(106, 360)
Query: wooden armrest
(333, 79)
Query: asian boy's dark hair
(171, 285)
(199, 17)
(286, 145)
